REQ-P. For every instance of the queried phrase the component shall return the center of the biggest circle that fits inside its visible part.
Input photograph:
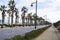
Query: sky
(48, 9)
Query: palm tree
(9, 13)
(2, 8)
(12, 8)
(38, 20)
(24, 10)
(34, 17)
(26, 18)
(29, 18)
(16, 14)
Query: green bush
(18, 37)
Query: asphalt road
(11, 32)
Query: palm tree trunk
(23, 22)
(28, 21)
(2, 19)
(16, 20)
(31, 21)
(12, 20)
(9, 19)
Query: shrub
(18, 37)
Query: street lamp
(35, 13)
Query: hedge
(30, 35)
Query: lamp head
(31, 5)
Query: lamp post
(35, 13)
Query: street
(11, 32)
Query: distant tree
(9, 13)
(34, 18)
(17, 16)
(40, 19)
(24, 10)
(26, 18)
(56, 24)
(2, 8)
(29, 18)
(12, 8)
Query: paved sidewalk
(50, 34)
